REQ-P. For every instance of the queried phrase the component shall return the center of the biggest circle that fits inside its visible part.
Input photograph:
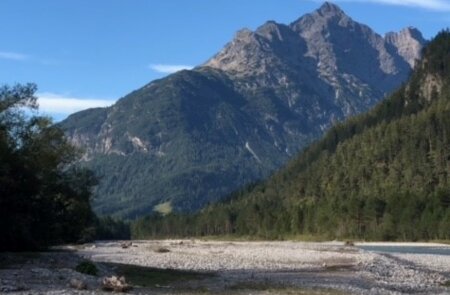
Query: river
(433, 250)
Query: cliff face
(409, 43)
(195, 136)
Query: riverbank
(221, 267)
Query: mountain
(195, 136)
(384, 175)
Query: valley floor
(219, 267)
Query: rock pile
(115, 284)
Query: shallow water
(433, 250)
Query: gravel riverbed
(263, 268)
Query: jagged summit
(408, 43)
(327, 13)
(410, 31)
(330, 37)
(269, 28)
(415, 33)
(330, 9)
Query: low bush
(87, 267)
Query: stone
(116, 284)
(126, 244)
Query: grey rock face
(409, 43)
(196, 136)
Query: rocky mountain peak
(268, 28)
(414, 33)
(255, 52)
(408, 42)
(327, 14)
(243, 34)
(330, 9)
(406, 33)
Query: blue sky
(85, 53)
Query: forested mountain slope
(195, 136)
(382, 175)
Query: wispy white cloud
(168, 69)
(13, 56)
(439, 5)
(50, 103)
(19, 57)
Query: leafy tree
(108, 228)
(43, 198)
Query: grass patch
(153, 277)
(262, 238)
(229, 238)
(308, 238)
(163, 208)
(446, 242)
(280, 289)
(339, 267)
(257, 286)
(446, 284)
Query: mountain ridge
(193, 137)
(382, 175)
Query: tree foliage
(43, 198)
(108, 228)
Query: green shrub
(87, 267)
